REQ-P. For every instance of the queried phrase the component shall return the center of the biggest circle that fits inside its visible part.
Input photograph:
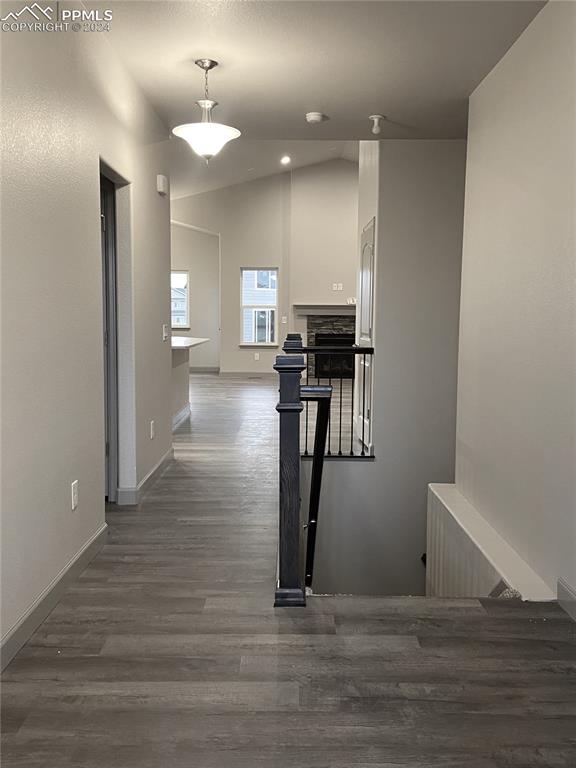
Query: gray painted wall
(252, 220)
(303, 222)
(67, 103)
(372, 529)
(198, 252)
(515, 456)
(324, 221)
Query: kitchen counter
(186, 342)
(181, 346)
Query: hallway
(167, 652)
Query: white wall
(198, 253)
(324, 222)
(180, 385)
(373, 514)
(515, 457)
(66, 103)
(303, 222)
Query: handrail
(322, 395)
(292, 347)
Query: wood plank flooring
(167, 652)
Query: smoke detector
(316, 117)
(376, 123)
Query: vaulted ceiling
(415, 62)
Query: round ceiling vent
(316, 117)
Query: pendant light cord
(206, 96)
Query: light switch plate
(165, 332)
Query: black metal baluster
(322, 396)
(306, 431)
(340, 420)
(363, 453)
(352, 407)
(329, 452)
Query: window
(259, 306)
(180, 300)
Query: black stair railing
(289, 588)
(347, 369)
(293, 399)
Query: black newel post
(289, 589)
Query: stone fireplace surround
(312, 319)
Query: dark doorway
(110, 336)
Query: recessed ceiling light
(286, 160)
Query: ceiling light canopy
(206, 138)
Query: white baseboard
(46, 601)
(248, 374)
(133, 496)
(567, 598)
(202, 369)
(181, 416)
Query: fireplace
(334, 365)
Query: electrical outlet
(165, 332)
(152, 430)
(256, 355)
(74, 495)
(284, 319)
(340, 287)
(334, 286)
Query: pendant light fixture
(206, 138)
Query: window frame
(185, 327)
(259, 307)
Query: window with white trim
(259, 306)
(179, 299)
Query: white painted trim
(127, 452)
(182, 415)
(494, 549)
(248, 374)
(25, 627)
(205, 231)
(202, 369)
(567, 598)
(133, 496)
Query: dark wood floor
(167, 652)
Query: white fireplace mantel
(302, 310)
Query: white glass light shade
(206, 139)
